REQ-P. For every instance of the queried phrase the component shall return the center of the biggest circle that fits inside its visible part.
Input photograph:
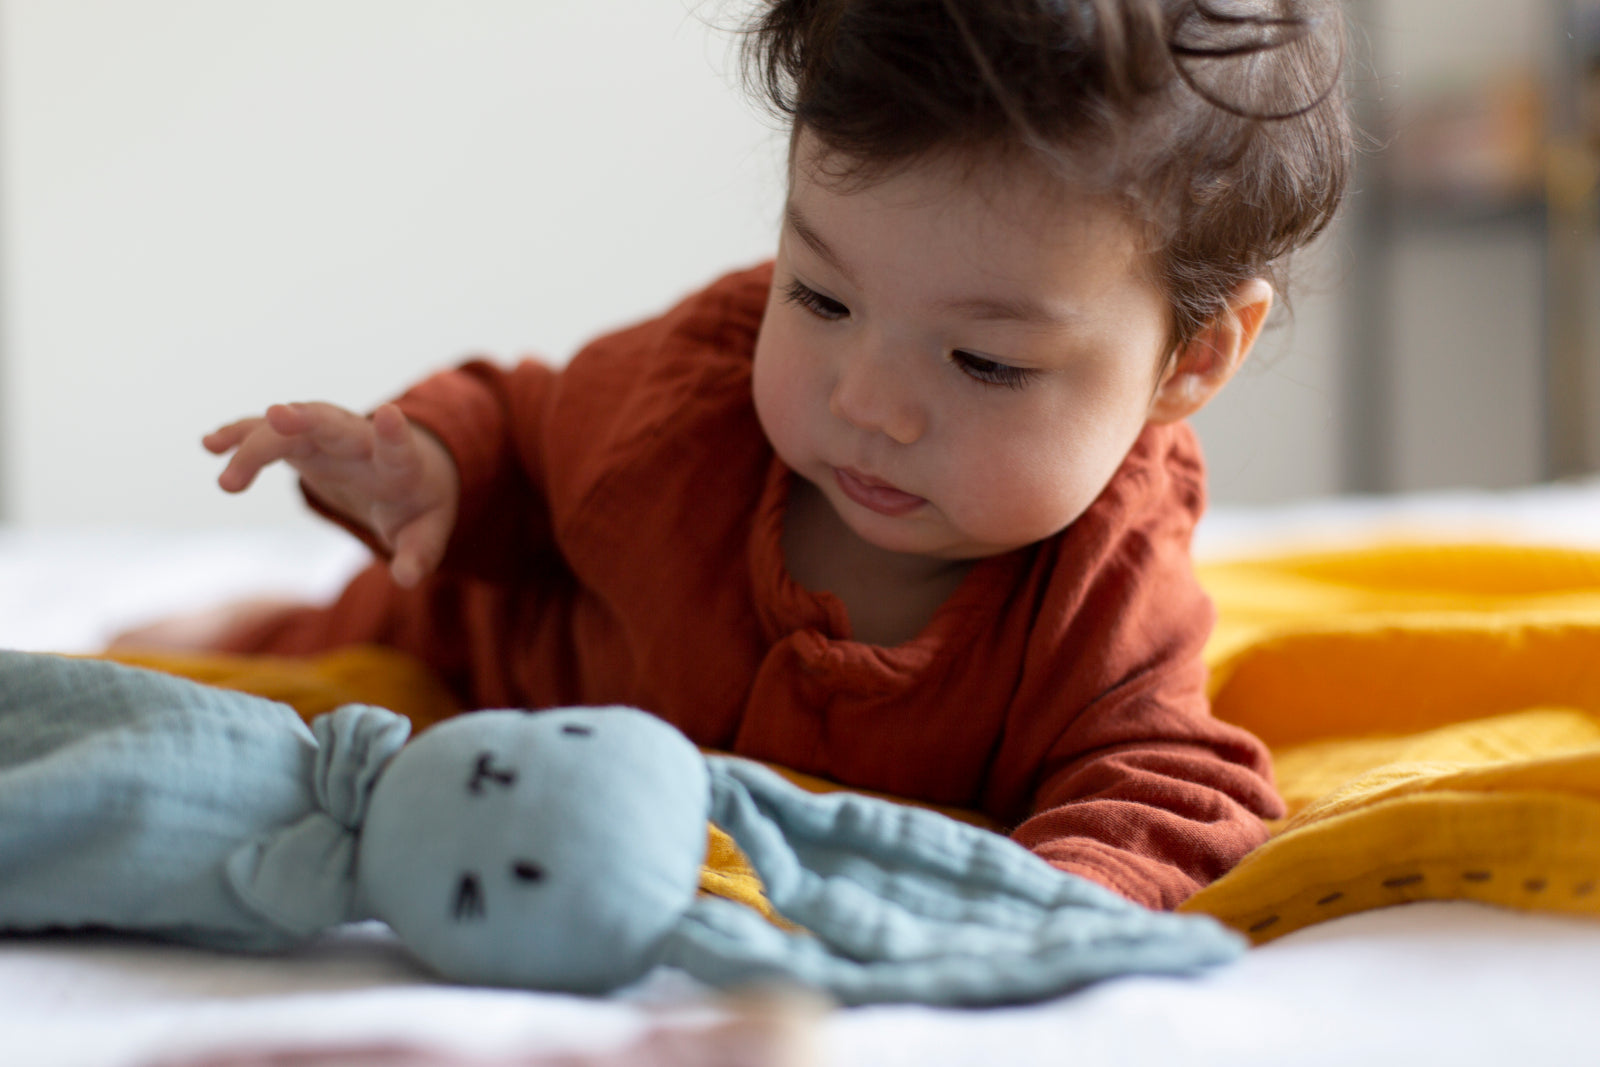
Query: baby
(909, 507)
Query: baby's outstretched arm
(384, 473)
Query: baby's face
(958, 361)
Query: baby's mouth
(875, 495)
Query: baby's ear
(1202, 366)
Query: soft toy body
(127, 793)
(554, 850)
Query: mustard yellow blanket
(1434, 711)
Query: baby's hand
(382, 472)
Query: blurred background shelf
(1471, 353)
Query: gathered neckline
(785, 606)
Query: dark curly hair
(1221, 124)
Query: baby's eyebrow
(813, 240)
(1008, 309)
(977, 308)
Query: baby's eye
(821, 306)
(985, 370)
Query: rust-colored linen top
(619, 542)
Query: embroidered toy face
(493, 870)
(469, 905)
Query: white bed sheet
(1456, 984)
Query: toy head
(551, 849)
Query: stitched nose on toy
(551, 850)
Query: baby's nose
(875, 395)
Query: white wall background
(210, 205)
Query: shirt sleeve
(1140, 788)
(489, 418)
(530, 442)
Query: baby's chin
(930, 534)
(925, 534)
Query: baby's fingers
(394, 449)
(328, 428)
(261, 448)
(227, 438)
(419, 546)
(285, 433)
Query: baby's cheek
(780, 393)
(1026, 502)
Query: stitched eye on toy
(468, 903)
(574, 728)
(485, 771)
(524, 871)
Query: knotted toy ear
(302, 878)
(137, 800)
(355, 743)
(906, 904)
